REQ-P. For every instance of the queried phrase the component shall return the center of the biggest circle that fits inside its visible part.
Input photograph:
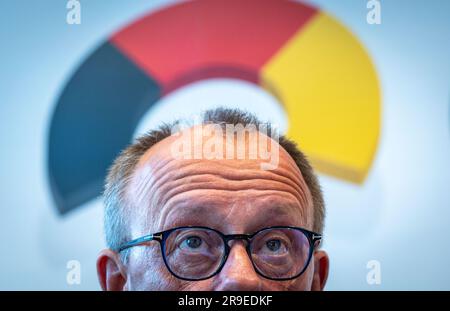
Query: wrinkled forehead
(161, 166)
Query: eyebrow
(190, 217)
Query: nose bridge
(238, 272)
(232, 237)
(237, 237)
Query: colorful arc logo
(315, 67)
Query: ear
(110, 271)
(321, 267)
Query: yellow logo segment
(329, 88)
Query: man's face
(233, 196)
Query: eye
(192, 242)
(273, 245)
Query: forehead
(168, 189)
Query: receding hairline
(144, 157)
(125, 165)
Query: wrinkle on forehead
(159, 180)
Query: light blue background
(400, 216)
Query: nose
(238, 273)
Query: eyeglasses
(195, 253)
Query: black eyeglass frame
(162, 236)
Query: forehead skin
(230, 195)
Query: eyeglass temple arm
(316, 238)
(141, 240)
